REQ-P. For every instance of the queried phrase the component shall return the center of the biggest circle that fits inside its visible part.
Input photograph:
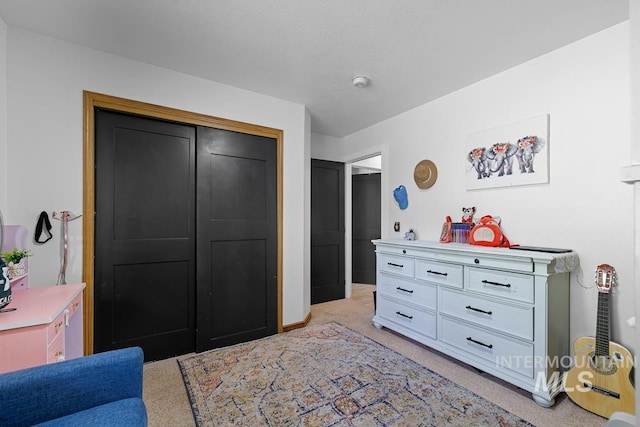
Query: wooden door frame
(91, 101)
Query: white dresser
(503, 311)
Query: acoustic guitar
(600, 380)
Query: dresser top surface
(37, 306)
(566, 259)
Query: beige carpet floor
(168, 405)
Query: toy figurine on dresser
(5, 285)
(467, 214)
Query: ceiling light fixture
(360, 81)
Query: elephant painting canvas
(490, 154)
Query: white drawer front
(518, 264)
(422, 294)
(514, 286)
(420, 321)
(507, 318)
(439, 272)
(396, 264)
(509, 353)
(396, 250)
(524, 265)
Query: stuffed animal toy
(467, 214)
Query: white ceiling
(307, 51)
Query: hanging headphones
(43, 221)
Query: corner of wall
(634, 34)
(306, 295)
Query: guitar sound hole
(603, 365)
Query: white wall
(326, 147)
(46, 78)
(634, 19)
(584, 87)
(3, 118)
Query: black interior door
(365, 220)
(145, 235)
(327, 231)
(237, 237)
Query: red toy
(467, 214)
(487, 232)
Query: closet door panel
(144, 235)
(236, 217)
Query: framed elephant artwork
(513, 154)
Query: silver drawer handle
(478, 310)
(506, 285)
(409, 291)
(437, 272)
(404, 315)
(479, 342)
(395, 265)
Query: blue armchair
(104, 389)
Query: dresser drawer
(440, 272)
(493, 347)
(515, 286)
(422, 294)
(501, 262)
(55, 350)
(397, 265)
(518, 264)
(502, 317)
(423, 322)
(74, 306)
(55, 328)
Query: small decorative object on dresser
(5, 285)
(487, 232)
(467, 214)
(460, 232)
(504, 312)
(14, 251)
(445, 234)
(15, 260)
(455, 232)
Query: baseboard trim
(297, 325)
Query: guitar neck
(602, 326)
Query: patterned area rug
(327, 375)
